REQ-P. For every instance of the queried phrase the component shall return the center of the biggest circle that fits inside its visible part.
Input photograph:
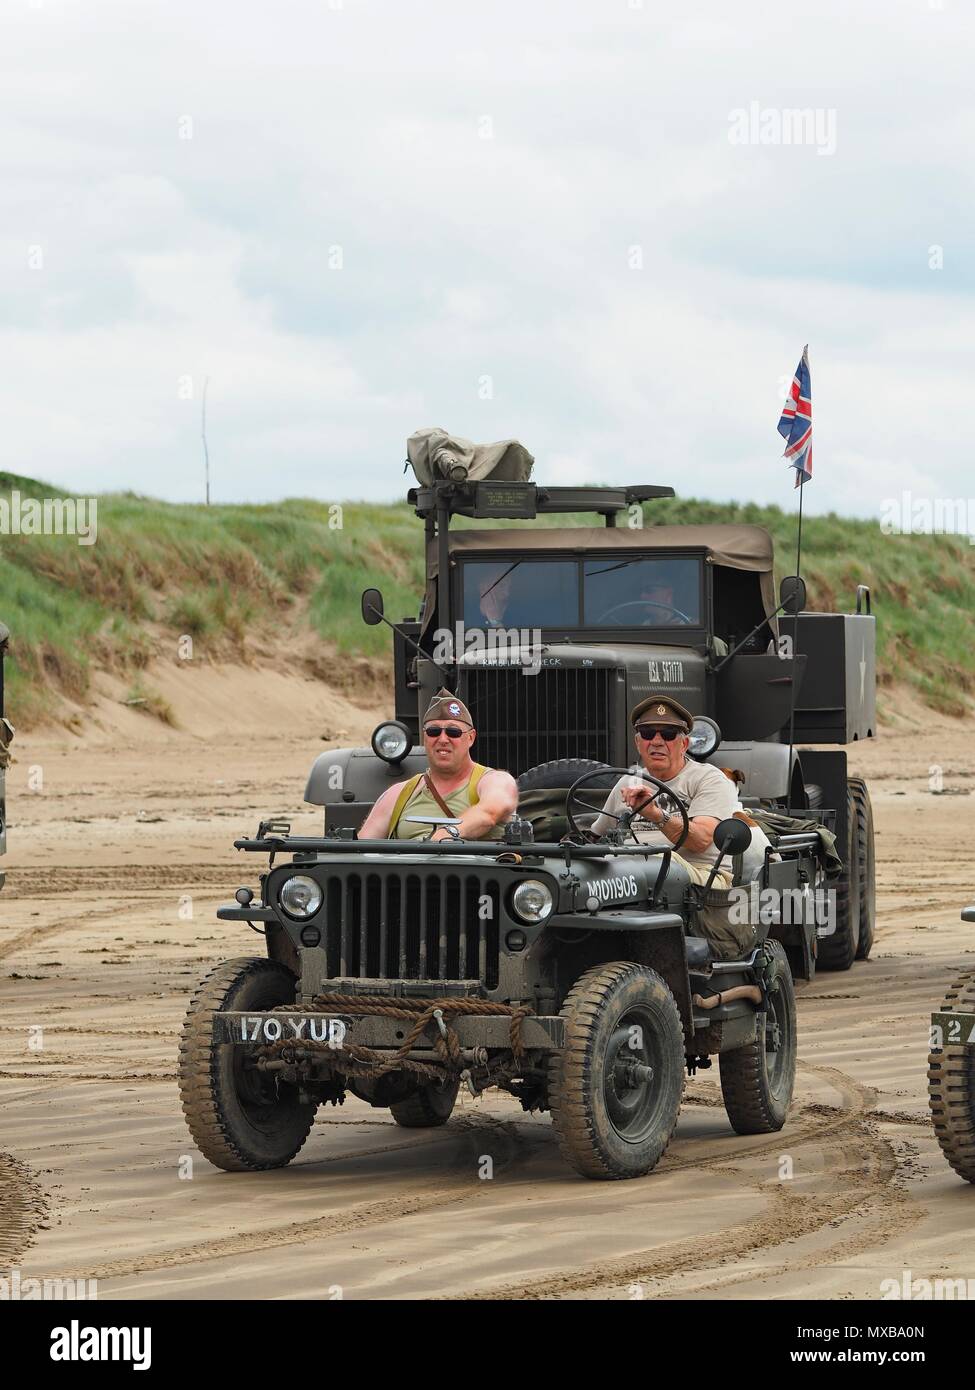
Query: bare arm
(700, 833)
(497, 800)
(376, 824)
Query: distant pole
(206, 452)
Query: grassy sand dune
(239, 580)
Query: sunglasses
(668, 732)
(451, 730)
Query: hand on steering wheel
(574, 802)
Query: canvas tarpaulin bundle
(437, 456)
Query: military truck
(596, 617)
(6, 734)
(567, 968)
(951, 1071)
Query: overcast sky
(547, 220)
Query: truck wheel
(838, 952)
(757, 1082)
(866, 866)
(240, 1118)
(951, 1087)
(615, 1088)
(431, 1105)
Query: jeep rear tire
(757, 1082)
(951, 1086)
(615, 1088)
(241, 1119)
(429, 1106)
(838, 951)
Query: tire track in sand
(868, 1168)
(23, 1205)
(479, 1135)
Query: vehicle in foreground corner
(6, 735)
(951, 1071)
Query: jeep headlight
(391, 741)
(300, 896)
(704, 737)
(531, 901)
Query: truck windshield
(658, 591)
(661, 592)
(521, 593)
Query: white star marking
(863, 668)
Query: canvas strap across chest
(416, 800)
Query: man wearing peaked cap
(454, 787)
(661, 726)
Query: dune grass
(161, 571)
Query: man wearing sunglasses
(661, 727)
(454, 787)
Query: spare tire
(542, 792)
(559, 774)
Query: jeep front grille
(417, 926)
(524, 719)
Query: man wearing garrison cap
(455, 787)
(660, 729)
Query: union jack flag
(795, 424)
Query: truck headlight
(300, 896)
(704, 737)
(391, 741)
(531, 901)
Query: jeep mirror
(792, 593)
(372, 607)
(732, 836)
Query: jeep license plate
(271, 1028)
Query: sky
(590, 225)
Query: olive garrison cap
(444, 705)
(661, 709)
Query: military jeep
(564, 972)
(568, 969)
(951, 1071)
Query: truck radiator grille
(523, 720)
(412, 927)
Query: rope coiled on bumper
(421, 1013)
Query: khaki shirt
(703, 790)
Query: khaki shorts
(729, 940)
(699, 874)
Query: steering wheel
(643, 603)
(574, 801)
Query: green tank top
(419, 802)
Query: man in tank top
(455, 786)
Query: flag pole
(790, 421)
(795, 648)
